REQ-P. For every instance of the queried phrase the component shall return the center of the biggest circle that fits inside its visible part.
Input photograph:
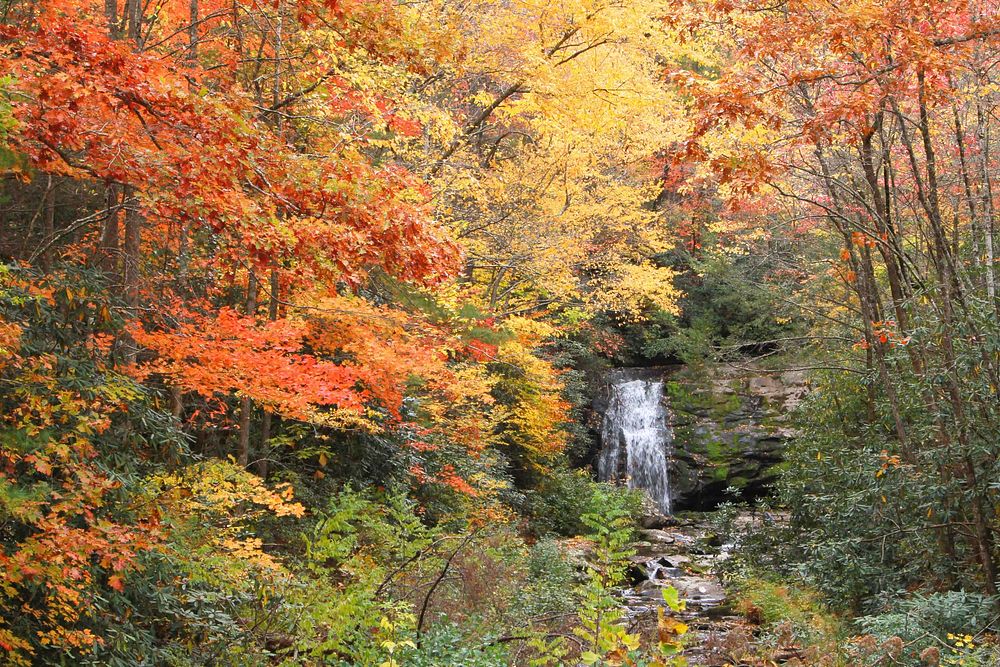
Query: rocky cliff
(729, 427)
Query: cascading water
(635, 427)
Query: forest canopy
(304, 306)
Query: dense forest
(308, 310)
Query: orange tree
(211, 254)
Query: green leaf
(672, 597)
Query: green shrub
(550, 582)
(446, 645)
(929, 620)
(789, 612)
(558, 505)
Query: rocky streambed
(693, 438)
(685, 553)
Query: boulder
(656, 536)
(652, 517)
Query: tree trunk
(131, 255)
(131, 265)
(48, 225)
(265, 427)
(176, 402)
(987, 206)
(133, 14)
(182, 257)
(107, 251)
(111, 17)
(193, 30)
(246, 405)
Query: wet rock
(653, 520)
(729, 432)
(636, 574)
(720, 611)
(703, 591)
(650, 589)
(674, 560)
(669, 573)
(655, 536)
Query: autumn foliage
(286, 282)
(867, 128)
(244, 276)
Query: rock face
(729, 427)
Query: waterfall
(635, 426)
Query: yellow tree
(540, 138)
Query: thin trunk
(131, 265)
(265, 428)
(276, 82)
(48, 225)
(182, 256)
(987, 205)
(246, 405)
(275, 296)
(265, 436)
(970, 198)
(176, 402)
(107, 251)
(193, 30)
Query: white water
(635, 425)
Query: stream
(637, 450)
(684, 555)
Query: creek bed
(682, 556)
